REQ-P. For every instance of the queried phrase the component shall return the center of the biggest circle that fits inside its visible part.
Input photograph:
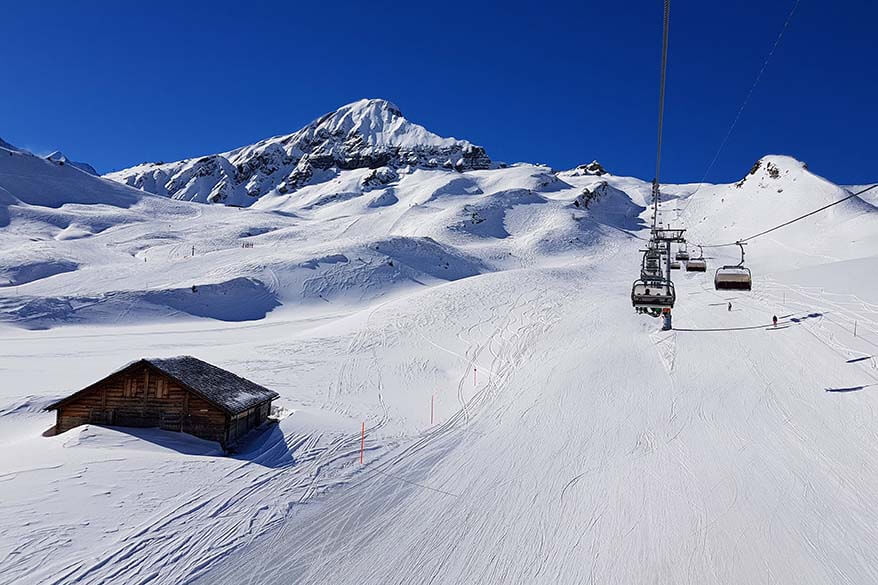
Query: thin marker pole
(475, 376)
(855, 327)
(362, 441)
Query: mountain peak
(374, 111)
(772, 166)
(378, 123)
(366, 134)
(372, 105)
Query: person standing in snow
(774, 320)
(730, 306)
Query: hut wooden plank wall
(176, 394)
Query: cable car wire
(794, 220)
(661, 116)
(743, 105)
(656, 195)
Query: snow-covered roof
(229, 391)
(220, 387)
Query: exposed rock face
(379, 177)
(369, 134)
(773, 167)
(589, 196)
(593, 168)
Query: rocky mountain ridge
(367, 134)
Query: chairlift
(697, 264)
(652, 294)
(651, 265)
(675, 265)
(668, 234)
(682, 253)
(734, 276)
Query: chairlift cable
(794, 220)
(743, 105)
(661, 114)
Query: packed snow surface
(522, 423)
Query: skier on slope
(774, 320)
(730, 306)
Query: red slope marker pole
(362, 441)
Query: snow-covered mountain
(471, 329)
(367, 134)
(366, 233)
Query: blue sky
(115, 84)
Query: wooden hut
(177, 394)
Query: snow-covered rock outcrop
(60, 158)
(367, 134)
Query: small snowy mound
(426, 256)
(238, 299)
(60, 158)
(374, 269)
(73, 231)
(607, 204)
(385, 198)
(486, 218)
(458, 186)
(16, 269)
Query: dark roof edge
(56, 404)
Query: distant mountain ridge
(369, 133)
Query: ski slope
(571, 441)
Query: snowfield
(522, 423)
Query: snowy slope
(523, 424)
(60, 158)
(87, 250)
(367, 134)
(780, 188)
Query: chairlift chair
(733, 276)
(675, 265)
(651, 295)
(697, 264)
(651, 265)
(682, 253)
